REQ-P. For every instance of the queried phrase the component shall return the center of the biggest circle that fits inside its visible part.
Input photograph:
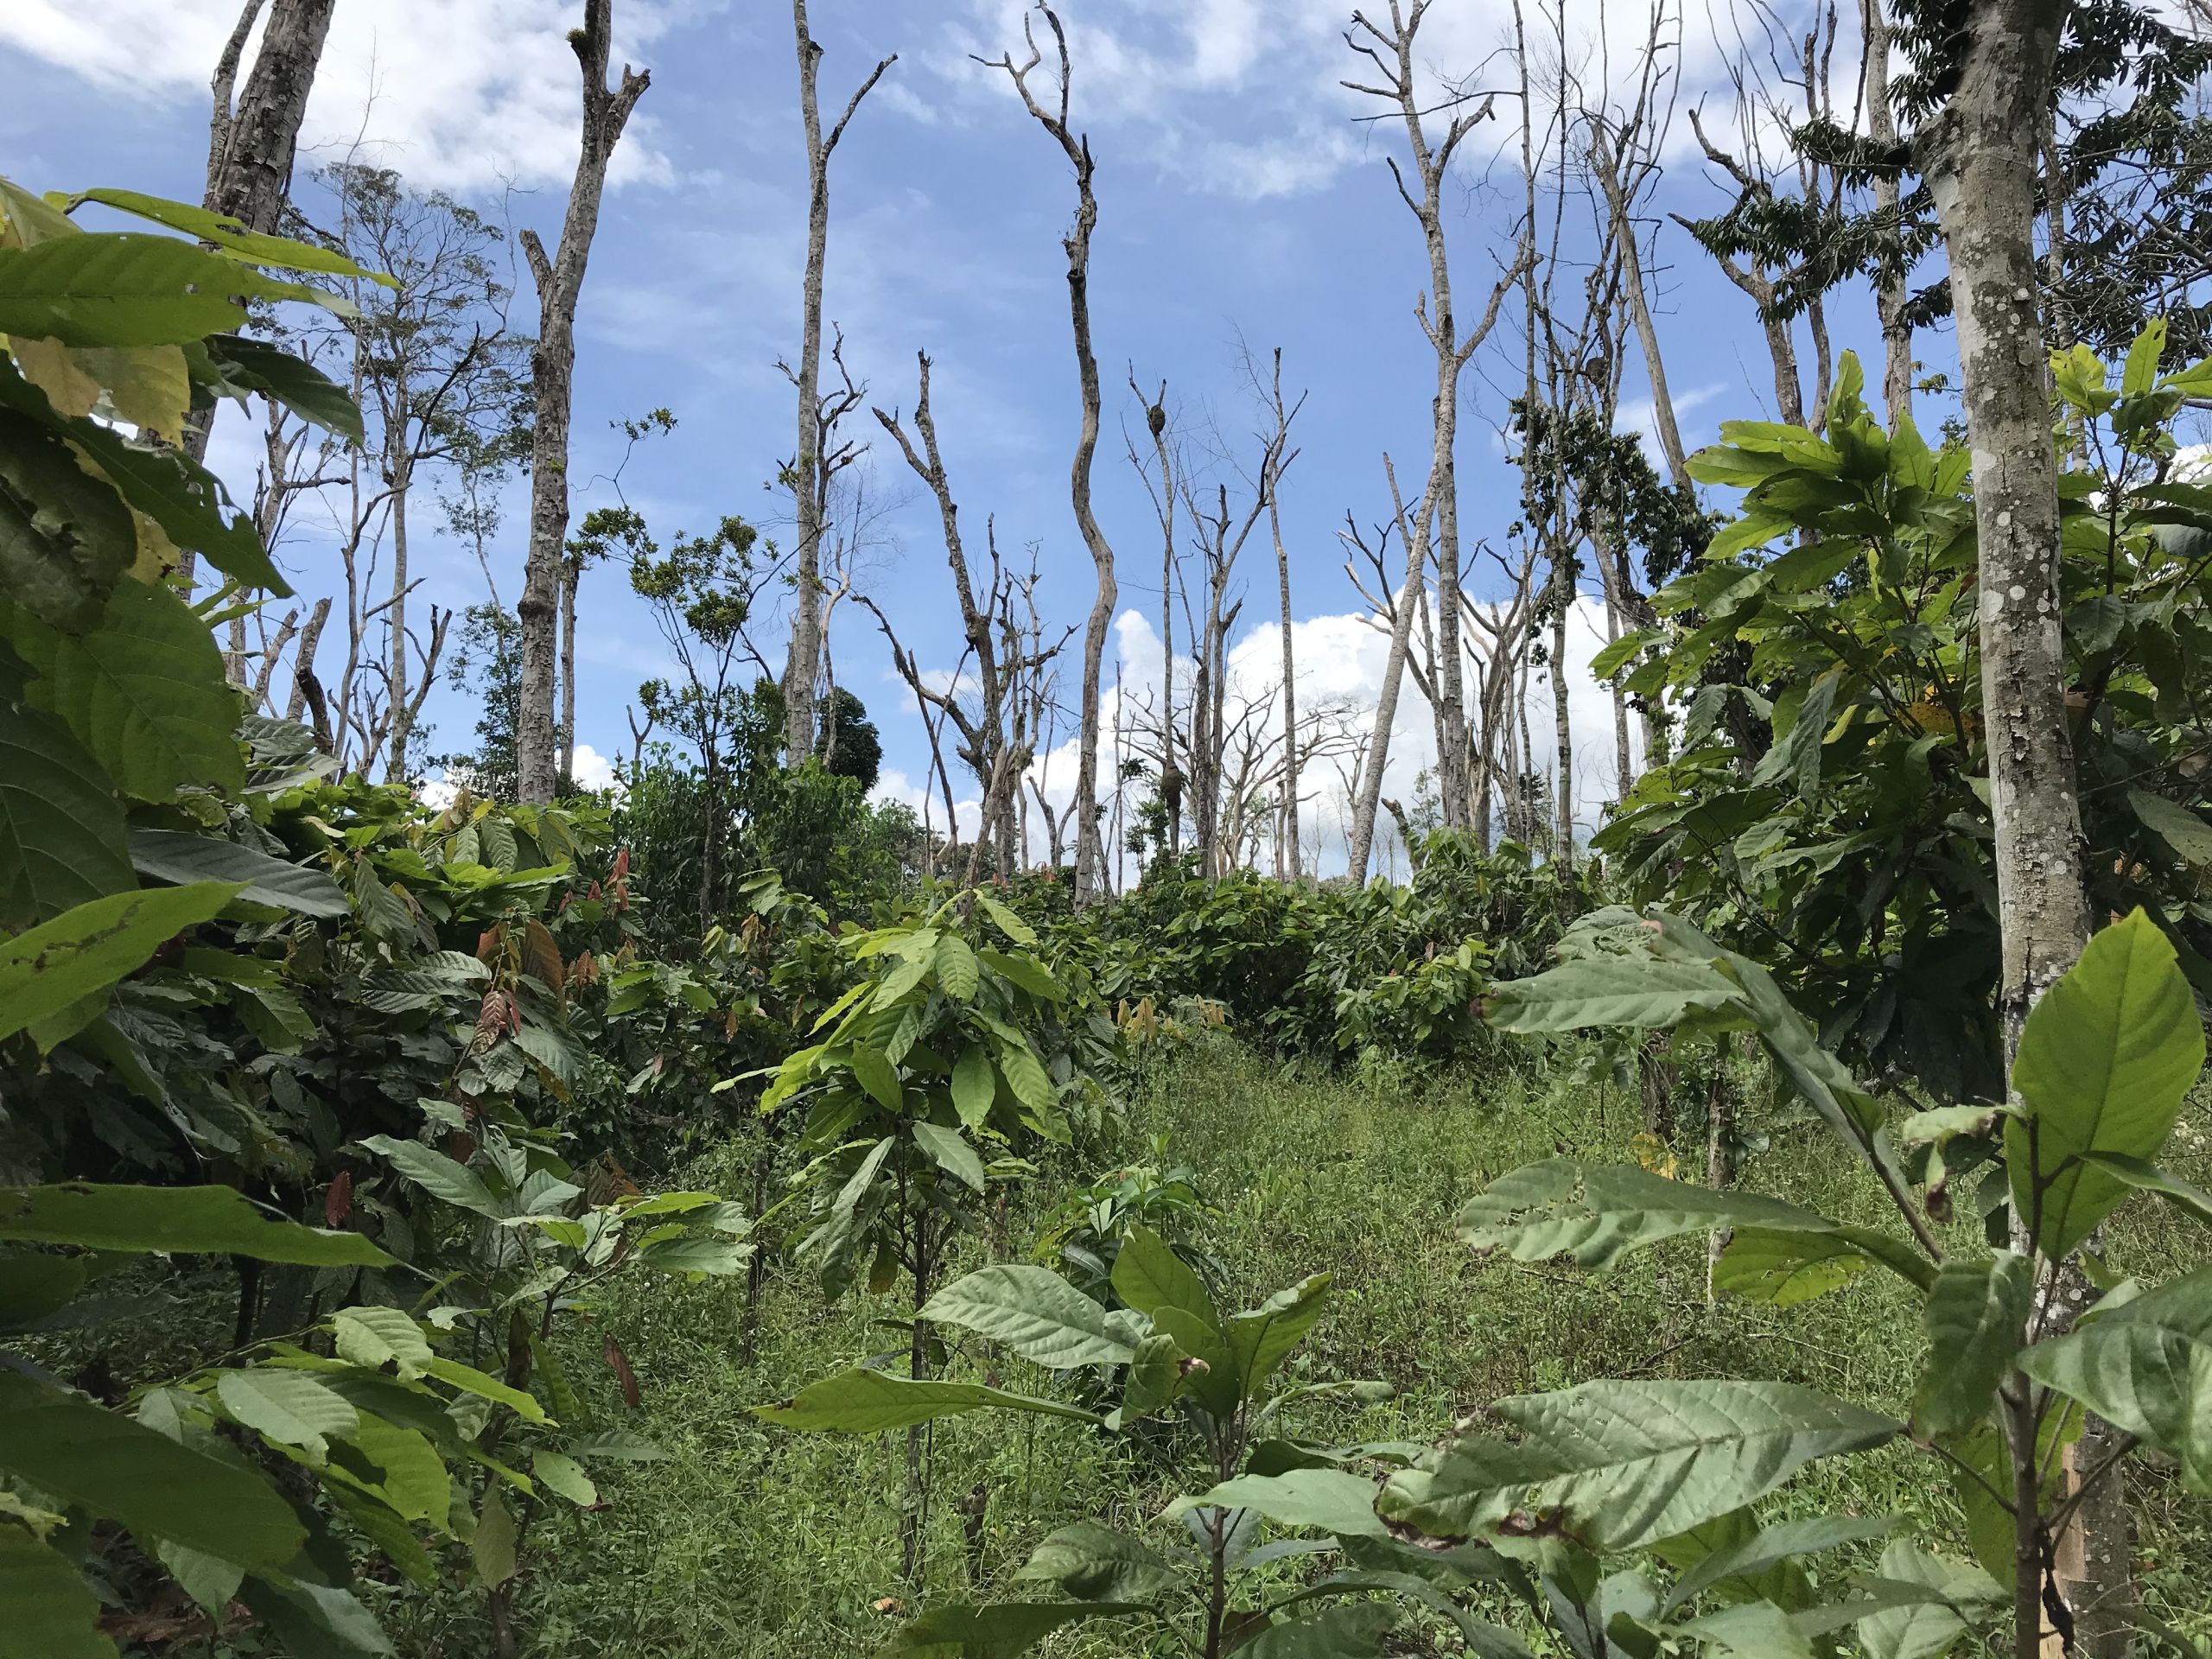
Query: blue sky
(1239, 199)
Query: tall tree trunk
(560, 280)
(251, 147)
(395, 619)
(1289, 835)
(1889, 285)
(1394, 674)
(1980, 166)
(1562, 722)
(571, 575)
(1639, 308)
(803, 664)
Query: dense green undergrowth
(750, 1542)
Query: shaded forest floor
(751, 1542)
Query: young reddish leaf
(621, 1364)
(337, 1203)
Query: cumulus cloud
(455, 96)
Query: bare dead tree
(1164, 488)
(1367, 795)
(1393, 52)
(560, 281)
(1053, 118)
(811, 469)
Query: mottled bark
(1889, 283)
(560, 281)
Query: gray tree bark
(1416, 537)
(1670, 434)
(560, 280)
(1889, 287)
(803, 663)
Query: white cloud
(592, 769)
(456, 96)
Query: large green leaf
(1595, 1211)
(287, 1407)
(46, 1609)
(876, 1073)
(2145, 1366)
(88, 949)
(1927, 1629)
(1025, 1077)
(959, 1631)
(79, 1451)
(257, 365)
(1782, 1268)
(2104, 1062)
(1026, 971)
(143, 691)
(1091, 1561)
(61, 834)
(65, 538)
(120, 289)
(1755, 1561)
(1615, 1465)
(1334, 1500)
(310, 1617)
(1355, 1632)
(2145, 1176)
(2188, 835)
(232, 237)
(859, 1401)
(1148, 1275)
(174, 855)
(435, 1174)
(1976, 1316)
(1037, 1313)
(1263, 1337)
(175, 1221)
(957, 974)
(950, 1151)
(1636, 991)
(975, 1085)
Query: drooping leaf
(45, 1608)
(975, 1085)
(61, 834)
(1026, 1077)
(88, 947)
(2147, 1366)
(2105, 1059)
(859, 1400)
(1026, 971)
(1334, 1500)
(1091, 1561)
(1263, 1337)
(66, 1444)
(560, 1473)
(377, 1336)
(2145, 1176)
(1148, 1275)
(956, 972)
(1618, 1463)
(493, 1546)
(142, 690)
(1009, 923)
(65, 536)
(950, 1151)
(1034, 1312)
(2188, 835)
(292, 381)
(231, 238)
(291, 1407)
(1633, 991)
(1976, 1316)
(435, 1174)
(1928, 1628)
(1596, 1212)
(173, 856)
(877, 1075)
(1747, 1566)
(176, 1220)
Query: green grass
(750, 1542)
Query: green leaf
(61, 834)
(88, 947)
(1091, 1561)
(1928, 1629)
(175, 856)
(492, 1548)
(1026, 971)
(143, 691)
(35, 1285)
(65, 538)
(1634, 991)
(436, 1174)
(175, 1220)
(1976, 1316)
(975, 1086)
(1782, 1269)
(1025, 1077)
(1155, 1377)
(1037, 1313)
(116, 289)
(877, 1075)
(66, 1444)
(2139, 374)
(1618, 653)
(2105, 1059)
(184, 499)
(232, 236)
(287, 1407)
(296, 384)
(950, 1151)
(1333, 1500)
(469, 1379)
(210, 1581)
(1747, 1567)
(1009, 923)
(1353, 1631)
(2145, 1176)
(2147, 1366)
(957, 973)
(1262, 1339)
(310, 1617)
(1615, 1464)
(45, 1610)
(2188, 835)
(376, 1336)
(560, 1473)
(960, 1631)
(409, 1476)
(859, 1400)
(1148, 1275)
(1596, 1212)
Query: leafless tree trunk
(560, 281)
(1088, 854)
(1979, 160)
(808, 490)
(1563, 726)
(1889, 283)
(1288, 840)
(571, 575)
(1163, 500)
(1369, 793)
(1393, 53)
